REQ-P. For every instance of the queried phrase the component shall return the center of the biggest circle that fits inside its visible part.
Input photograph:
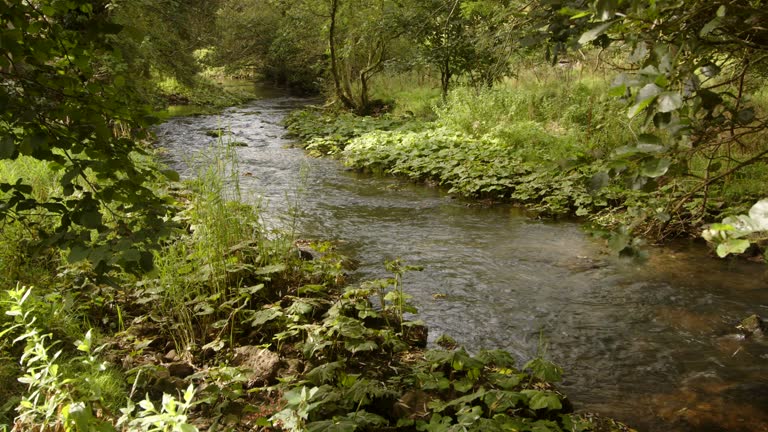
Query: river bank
(606, 321)
(558, 148)
(241, 327)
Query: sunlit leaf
(656, 167)
(593, 34)
(645, 97)
(670, 101)
(732, 246)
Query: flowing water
(650, 343)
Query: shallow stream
(650, 343)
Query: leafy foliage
(691, 70)
(737, 233)
(64, 105)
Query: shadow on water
(649, 343)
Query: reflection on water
(650, 343)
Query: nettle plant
(737, 233)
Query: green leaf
(266, 315)
(594, 33)
(171, 175)
(325, 373)
(538, 399)
(581, 15)
(463, 385)
(711, 26)
(646, 96)
(732, 246)
(544, 370)
(618, 91)
(91, 219)
(656, 167)
(275, 268)
(355, 346)
(78, 253)
(670, 101)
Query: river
(651, 343)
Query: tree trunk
(445, 77)
(375, 59)
(343, 98)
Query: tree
(67, 103)
(459, 38)
(359, 34)
(690, 69)
(281, 42)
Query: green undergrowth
(202, 92)
(559, 144)
(241, 328)
(327, 133)
(513, 144)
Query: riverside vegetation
(546, 140)
(238, 328)
(135, 302)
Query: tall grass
(201, 271)
(414, 93)
(18, 259)
(548, 118)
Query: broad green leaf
(656, 167)
(275, 268)
(618, 91)
(325, 373)
(732, 246)
(541, 399)
(78, 253)
(463, 385)
(186, 427)
(670, 101)
(355, 346)
(91, 219)
(594, 33)
(710, 26)
(544, 370)
(646, 96)
(265, 315)
(171, 175)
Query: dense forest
(133, 300)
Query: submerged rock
(752, 325)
